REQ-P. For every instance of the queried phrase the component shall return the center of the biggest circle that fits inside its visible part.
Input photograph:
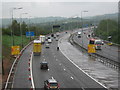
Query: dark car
(51, 84)
(47, 45)
(44, 65)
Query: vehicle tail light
(48, 86)
(58, 85)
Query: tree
(15, 28)
(108, 28)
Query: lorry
(42, 39)
(37, 47)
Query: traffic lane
(86, 81)
(55, 70)
(106, 52)
(89, 65)
(21, 74)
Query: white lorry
(42, 39)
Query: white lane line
(83, 88)
(48, 69)
(44, 59)
(56, 59)
(33, 86)
(60, 64)
(71, 77)
(80, 68)
(64, 69)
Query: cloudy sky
(64, 8)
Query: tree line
(108, 28)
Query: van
(98, 44)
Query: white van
(98, 44)
(79, 34)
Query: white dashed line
(71, 77)
(56, 59)
(60, 64)
(64, 69)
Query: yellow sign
(91, 48)
(109, 44)
(15, 50)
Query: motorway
(66, 73)
(110, 52)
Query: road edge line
(81, 69)
(33, 86)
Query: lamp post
(82, 25)
(12, 31)
(29, 27)
(21, 28)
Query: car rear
(54, 86)
(44, 65)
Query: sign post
(29, 34)
(15, 50)
(91, 48)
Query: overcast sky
(68, 8)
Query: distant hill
(98, 18)
(7, 21)
(94, 19)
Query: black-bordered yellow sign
(15, 50)
(91, 48)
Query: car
(51, 84)
(49, 41)
(44, 65)
(56, 39)
(102, 43)
(47, 45)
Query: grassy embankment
(6, 52)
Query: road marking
(54, 56)
(71, 77)
(82, 88)
(33, 86)
(64, 69)
(80, 68)
(60, 64)
(56, 59)
(48, 69)
(44, 59)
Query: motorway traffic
(110, 52)
(66, 73)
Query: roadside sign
(91, 48)
(56, 26)
(28, 34)
(15, 50)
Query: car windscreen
(44, 63)
(98, 42)
(53, 84)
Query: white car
(49, 41)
